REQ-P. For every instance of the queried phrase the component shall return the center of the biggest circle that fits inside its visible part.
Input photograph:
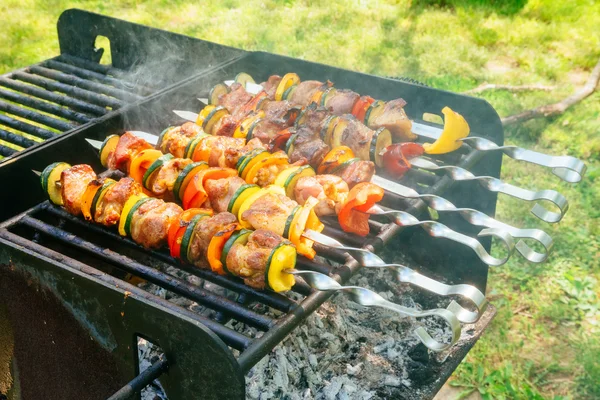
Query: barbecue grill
(88, 268)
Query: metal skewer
(402, 218)
(567, 168)
(496, 185)
(474, 217)
(406, 275)
(369, 298)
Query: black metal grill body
(47, 238)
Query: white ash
(342, 351)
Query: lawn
(545, 341)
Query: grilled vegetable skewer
(260, 257)
(353, 207)
(194, 236)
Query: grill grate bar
(7, 151)
(229, 336)
(95, 76)
(274, 300)
(44, 106)
(83, 83)
(27, 128)
(16, 139)
(36, 117)
(152, 275)
(102, 69)
(54, 86)
(53, 97)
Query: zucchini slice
(343, 165)
(100, 195)
(289, 92)
(285, 83)
(240, 195)
(212, 118)
(153, 168)
(338, 132)
(374, 111)
(292, 179)
(243, 78)
(88, 198)
(282, 257)
(50, 179)
(327, 128)
(131, 206)
(239, 237)
(288, 221)
(251, 162)
(185, 176)
(108, 146)
(217, 91)
(187, 236)
(382, 138)
(289, 146)
(327, 94)
(241, 131)
(245, 161)
(251, 129)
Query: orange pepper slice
(178, 226)
(141, 162)
(195, 195)
(334, 159)
(305, 219)
(353, 217)
(278, 158)
(216, 245)
(88, 198)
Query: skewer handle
(567, 168)
(496, 185)
(368, 298)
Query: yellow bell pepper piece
(455, 128)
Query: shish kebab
(261, 257)
(219, 120)
(391, 115)
(227, 189)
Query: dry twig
(550, 110)
(492, 86)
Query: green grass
(545, 342)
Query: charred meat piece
(249, 261)
(330, 190)
(162, 184)
(308, 146)
(220, 191)
(304, 92)
(74, 182)
(358, 137)
(226, 126)
(204, 230)
(232, 154)
(270, 85)
(342, 101)
(108, 212)
(281, 111)
(314, 116)
(395, 120)
(235, 99)
(150, 222)
(127, 147)
(269, 212)
(266, 130)
(359, 171)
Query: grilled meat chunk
(150, 222)
(304, 92)
(164, 180)
(269, 212)
(190, 129)
(308, 146)
(74, 182)
(359, 171)
(394, 118)
(358, 137)
(174, 142)
(218, 147)
(342, 101)
(249, 261)
(233, 154)
(236, 98)
(220, 191)
(204, 230)
(226, 126)
(266, 130)
(314, 116)
(330, 190)
(108, 212)
(127, 147)
(270, 85)
(281, 111)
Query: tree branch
(491, 86)
(550, 110)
